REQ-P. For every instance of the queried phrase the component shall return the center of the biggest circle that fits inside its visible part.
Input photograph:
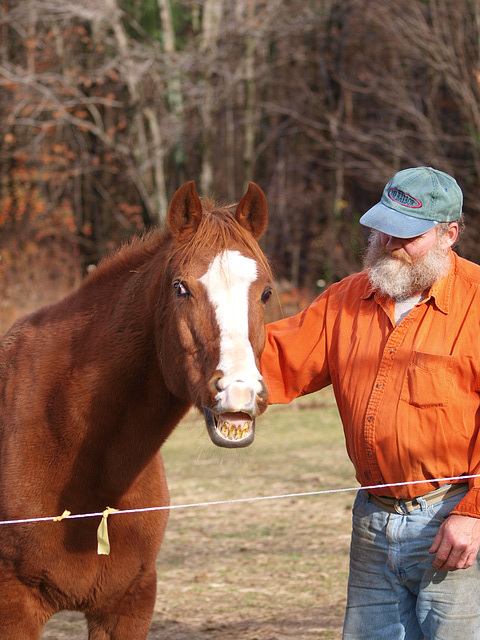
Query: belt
(402, 505)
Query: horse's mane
(130, 255)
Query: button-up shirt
(408, 395)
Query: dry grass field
(272, 569)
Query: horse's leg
(129, 618)
(22, 615)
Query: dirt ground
(273, 569)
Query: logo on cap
(403, 198)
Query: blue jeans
(393, 591)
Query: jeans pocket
(442, 510)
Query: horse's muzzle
(235, 404)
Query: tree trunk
(174, 87)
(212, 14)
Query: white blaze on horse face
(227, 281)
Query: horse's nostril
(263, 393)
(214, 385)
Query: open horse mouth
(230, 430)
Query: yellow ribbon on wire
(64, 515)
(103, 543)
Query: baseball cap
(414, 201)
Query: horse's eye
(181, 289)
(266, 295)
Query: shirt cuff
(469, 505)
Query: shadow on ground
(310, 627)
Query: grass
(278, 560)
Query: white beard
(399, 278)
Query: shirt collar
(441, 291)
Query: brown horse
(91, 387)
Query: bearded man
(400, 344)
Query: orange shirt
(408, 395)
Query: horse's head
(220, 281)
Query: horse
(90, 389)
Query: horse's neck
(113, 354)
(117, 334)
(119, 306)
(130, 412)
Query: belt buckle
(398, 508)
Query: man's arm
(294, 360)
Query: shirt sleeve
(294, 360)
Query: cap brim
(394, 223)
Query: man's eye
(181, 289)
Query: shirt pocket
(428, 380)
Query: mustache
(398, 254)
(376, 253)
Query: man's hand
(457, 543)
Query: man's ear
(452, 234)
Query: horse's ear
(185, 210)
(252, 210)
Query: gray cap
(414, 201)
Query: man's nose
(392, 242)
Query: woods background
(107, 106)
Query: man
(400, 343)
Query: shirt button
(379, 385)
(391, 350)
(370, 418)
(369, 454)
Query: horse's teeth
(233, 432)
(225, 429)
